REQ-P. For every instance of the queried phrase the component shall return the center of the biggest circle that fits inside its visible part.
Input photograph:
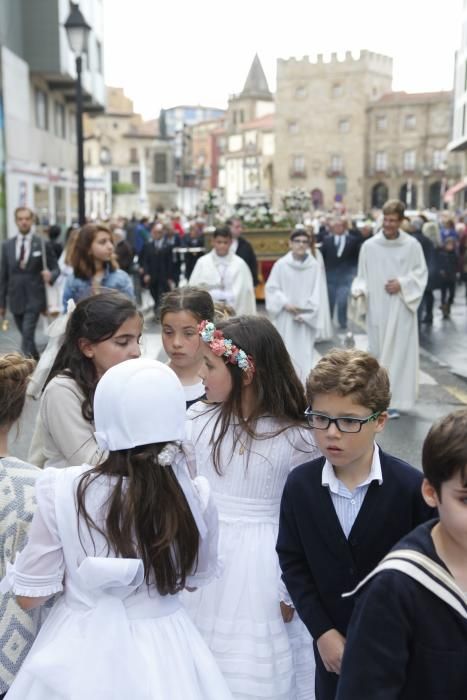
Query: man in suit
(340, 252)
(23, 276)
(241, 247)
(157, 265)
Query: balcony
(335, 172)
(297, 174)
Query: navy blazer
(318, 562)
(348, 261)
(404, 642)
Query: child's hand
(287, 611)
(291, 308)
(331, 649)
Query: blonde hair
(351, 373)
(15, 370)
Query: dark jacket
(158, 264)
(318, 562)
(348, 261)
(446, 264)
(404, 643)
(24, 289)
(246, 252)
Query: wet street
(443, 380)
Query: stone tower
(254, 101)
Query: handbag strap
(44, 252)
(426, 572)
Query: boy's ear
(86, 347)
(429, 494)
(381, 421)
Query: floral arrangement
(224, 347)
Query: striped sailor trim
(426, 572)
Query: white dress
(109, 636)
(239, 613)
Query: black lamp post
(77, 30)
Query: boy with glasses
(293, 299)
(342, 513)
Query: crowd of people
(225, 525)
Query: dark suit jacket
(246, 252)
(24, 289)
(318, 562)
(158, 264)
(404, 642)
(348, 261)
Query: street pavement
(443, 379)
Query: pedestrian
(293, 299)
(102, 331)
(246, 440)
(18, 628)
(194, 242)
(23, 276)
(408, 633)
(225, 275)
(340, 253)
(243, 248)
(120, 541)
(425, 310)
(182, 310)
(447, 264)
(94, 265)
(392, 276)
(157, 266)
(341, 513)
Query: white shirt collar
(329, 478)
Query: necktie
(22, 254)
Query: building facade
(457, 194)
(407, 154)
(38, 95)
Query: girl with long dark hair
(121, 541)
(246, 441)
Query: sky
(169, 52)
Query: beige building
(321, 125)
(132, 161)
(407, 154)
(457, 194)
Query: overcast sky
(199, 51)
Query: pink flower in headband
(224, 347)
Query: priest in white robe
(392, 276)
(225, 275)
(293, 299)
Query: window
(59, 120)
(410, 122)
(72, 126)
(115, 176)
(160, 168)
(336, 163)
(298, 165)
(99, 57)
(292, 127)
(438, 159)
(337, 90)
(41, 108)
(381, 161)
(133, 155)
(381, 122)
(409, 160)
(135, 178)
(300, 92)
(344, 126)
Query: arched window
(379, 195)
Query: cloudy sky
(199, 51)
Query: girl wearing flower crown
(181, 312)
(246, 444)
(120, 541)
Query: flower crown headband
(224, 347)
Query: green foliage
(124, 188)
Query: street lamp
(77, 30)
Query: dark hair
(297, 232)
(54, 232)
(96, 318)
(192, 299)
(394, 206)
(82, 260)
(15, 370)
(444, 451)
(277, 390)
(223, 232)
(147, 516)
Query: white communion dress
(109, 636)
(238, 614)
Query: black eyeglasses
(346, 424)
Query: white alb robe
(227, 278)
(392, 318)
(298, 283)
